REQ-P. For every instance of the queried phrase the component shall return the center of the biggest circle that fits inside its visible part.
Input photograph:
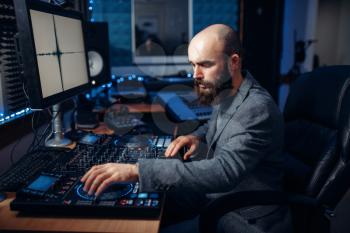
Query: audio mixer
(48, 180)
(62, 194)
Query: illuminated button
(154, 141)
(148, 202)
(154, 195)
(167, 142)
(160, 142)
(143, 195)
(155, 203)
(139, 202)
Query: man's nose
(197, 73)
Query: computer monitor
(52, 51)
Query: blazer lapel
(212, 125)
(230, 108)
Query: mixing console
(90, 150)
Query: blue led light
(129, 78)
(4, 118)
(113, 76)
(92, 20)
(87, 96)
(103, 86)
(189, 75)
(90, 8)
(109, 85)
(91, 1)
(140, 79)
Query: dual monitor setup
(52, 52)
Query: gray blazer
(244, 140)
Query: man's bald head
(221, 35)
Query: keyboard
(29, 166)
(87, 153)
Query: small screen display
(89, 139)
(43, 183)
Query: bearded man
(244, 140)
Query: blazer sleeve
(232, 160)
(201, 131)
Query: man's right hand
(190, 141)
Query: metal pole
(58, 139)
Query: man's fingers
(188, 153)
(92, 169)
(169, 149)
(91, 177)
(87, 174)
(104, 185)
(176, 149)
(96, 183)
(173, 147)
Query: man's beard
(213, 89)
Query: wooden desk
(137, 108)
(11, 221)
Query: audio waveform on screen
(58, 53)
(55, 50)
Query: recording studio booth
(85, 83)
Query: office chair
(317, 151)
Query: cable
(45, 131)
(35, 133)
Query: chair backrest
(317, 143)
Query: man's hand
(99, 177)
(190, 141)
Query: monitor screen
(52, 50)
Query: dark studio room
(175, 116)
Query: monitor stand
(58, 139)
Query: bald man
(243, 138)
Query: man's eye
(206, 65)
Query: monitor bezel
(27, 49)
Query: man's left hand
(99, 177)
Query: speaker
(262, 39)
(97, 44)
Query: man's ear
(235, 61)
